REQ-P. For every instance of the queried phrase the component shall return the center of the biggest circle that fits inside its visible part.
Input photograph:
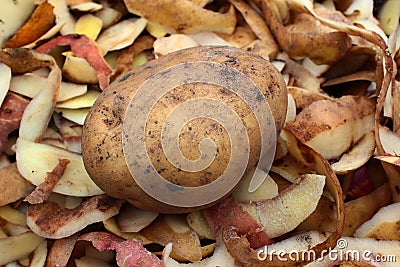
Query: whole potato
(201, 94)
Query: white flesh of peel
(267, 190)
(12, 215)
(155, 30)
(63, 16)
(389, 15)
(74, 182)
(286, 211)
(291, 109)
(363, 9)
(108, 16)
(38, 112)
(390, 141)
(208, 38)
(112, 226)
(326, 143)
(357, 156)
(132, 219)
(39, 255)
(79, 70)
(198, 222)
(30, 84)
(87, 7)
(84, 101)
(121, 34)
(76, 115)
(25, 242)
(5, 78)
(388, 216)
(290, 168)
(171, 43)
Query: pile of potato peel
(336, 168)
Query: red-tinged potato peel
(10, 116)
(263, 220)
(229, 212)
(130, 253)
(239, 246)
(85, 48)
(49, 220)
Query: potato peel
(220, 257)
(306, 39)
(85, 48)
(38, 112)
(49, 220)
(14, 186)
(120, 35)
(43, 190)
(383, 225)
(359, 210)
(61, 250)
(41, 20)
(258, 25)
(169, 228)
(303, 77)
(11, 112)
(359, 154)
(13, 15)
(336, 118)
(5, 80)
(183, 16)
(129, 252)
(22, 60)
(229, 212)
(125, 58)
(25, 242)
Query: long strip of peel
(38, 112)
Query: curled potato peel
(183, 16)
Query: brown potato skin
(102, 134)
